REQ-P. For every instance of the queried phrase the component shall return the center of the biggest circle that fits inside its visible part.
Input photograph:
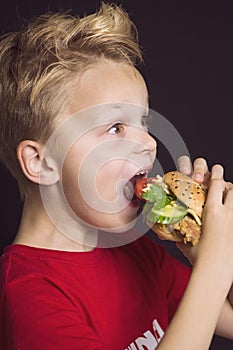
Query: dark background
(188, 54)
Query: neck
(37, 229)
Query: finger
(206, 179)
(184, 165)
(216, 187)
(229, 185)
(229, 198)
(200, 169)
(217, 172)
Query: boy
(73, 111)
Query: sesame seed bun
(188, 191)
(193, 195)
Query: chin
(120, 228)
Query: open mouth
(129, 187)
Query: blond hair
(38, 62)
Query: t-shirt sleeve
(51, 319)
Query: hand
(199, 171)
(216, 243)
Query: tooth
(142, 172)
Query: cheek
(109, 180)
(70, 171)
(94, 184)
(96, 201)
(75, 197)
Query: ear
(33, 164)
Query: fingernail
(185, 170)
(198, 177)
(217, 172)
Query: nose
(146, 143)
(151, 144)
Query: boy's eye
(116, 128)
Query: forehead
(107, 82)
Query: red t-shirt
(108, 299)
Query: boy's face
(109, 102)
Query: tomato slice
(140, 185)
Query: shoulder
(21, 263)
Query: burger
(173, 206)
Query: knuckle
(216, 182)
